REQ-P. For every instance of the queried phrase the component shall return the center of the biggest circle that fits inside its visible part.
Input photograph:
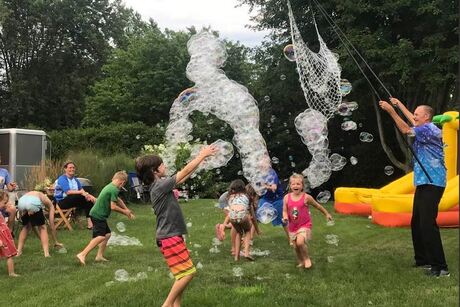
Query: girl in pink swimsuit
(297, 213)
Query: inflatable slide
(391, 205)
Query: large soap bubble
(266, 213)
(366, 137)
(345, 87)
(214, 93)
(288, 52)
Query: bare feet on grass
(101, 259)
(308, 263)
(14, 275)
(81, 259)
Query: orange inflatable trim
(402, 219)
(354, 209)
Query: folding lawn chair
(137, 190)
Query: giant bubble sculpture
(214, 93)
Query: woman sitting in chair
(69, 193)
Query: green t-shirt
(101, 210)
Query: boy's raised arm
(183, 174)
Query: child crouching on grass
(31, 206)
(107, 201)
(170, 220)
(7, 247)
(297, 213)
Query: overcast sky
(221, 15)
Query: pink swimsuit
(299, 214)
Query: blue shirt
(272, 178)
(429, 149)
(64, 184)
(4, 178)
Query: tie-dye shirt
(429, 149)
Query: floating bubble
(109, 283)
(239, 173)
(289, 53)
(237, 271)
(389, 170)
(366, 137)
(267, 98)
(121, 275)
(352, 105)
(189, 224)
(323, 197)
(337, 162)
(62, 250)
(266, 213)
(214, 250)
(225, 153)
(259, 253)
(275, 160)
(210, 121)
(215, 94)
(353, 160)
(291, 158)
(332, 239)
(138, 137)
(287, 275)
(121, 240)
(283, 77)
(330, 223)
(345, 87)
(343, 109)
(216, 242)
(199, 265)
(187, 95)
(330, 259)
(121, 227)
(348, 125)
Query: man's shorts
(100, 228)
(36, 219)
(177, 256)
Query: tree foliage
(50, 51)
(412, 46)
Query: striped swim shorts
(177, 256)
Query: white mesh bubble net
(319, 76)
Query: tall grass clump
(42, 176)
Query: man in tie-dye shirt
(428, 147)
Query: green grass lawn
(371, 267)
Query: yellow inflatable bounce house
(391, 205)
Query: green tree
(50, 51)
(411, 45)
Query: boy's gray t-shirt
(170, 220)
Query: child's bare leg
(10, 266)
(302, 246)
(237, 245)
(285, 228)
(11, 209)
(22, 238)
(102, 246)
(299, 254)
(53, 228)
(44, 240)
(233, 239)
(92, 244)
(175, 294)
(247, 245)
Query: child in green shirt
(107, 201)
